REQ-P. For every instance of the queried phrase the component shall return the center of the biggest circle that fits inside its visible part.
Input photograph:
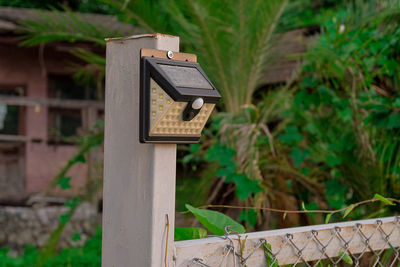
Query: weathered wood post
(139, 179)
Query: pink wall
(22, 66)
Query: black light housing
(177, 98)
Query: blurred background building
(43, 109)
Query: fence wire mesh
(360, 243)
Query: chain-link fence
(359, 243)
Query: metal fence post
(139, 179)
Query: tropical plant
(334, 142)
(344, 119)
(233, 40)
(234, 43)
(246, 144)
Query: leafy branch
(88, 143)
(347, 210)
(62, 26)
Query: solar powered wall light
(176, 97)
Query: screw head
(198, 103)
(170, 54)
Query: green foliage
(249, 215)
(88, 255)
(303, 13)
(150, 14)
(63, 182)
(63, 26)
(328, 139)
(193, 155)
(187, 233)
(225, 157)
(27, 4)
(344, 118)
(76, 237)
(233, 40)
(215, 221)
(328, 217)
(335, 193)
(299, 156)
(244, 186)
(291, 136)
(346, 257)
(30, 255)
(48, 250)
(85, 146)
(93, 69)
(86, 6)
(311, 206)
(271, 261)
(79, 158)
(384, 200)
(348, 210)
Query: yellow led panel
(166, 115)
(159, 102)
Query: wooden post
(139, 179)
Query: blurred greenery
(345, 107)
(84, 6)
(87, 255)
(329, 137)
(304, 13)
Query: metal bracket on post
(147, 52)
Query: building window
(65, 87)
(11, 117)
(66, 124)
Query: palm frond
(63, 26)
(233, 40)
(92, 70)
(244, 130)
(147, 14)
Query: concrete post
(139, 179)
